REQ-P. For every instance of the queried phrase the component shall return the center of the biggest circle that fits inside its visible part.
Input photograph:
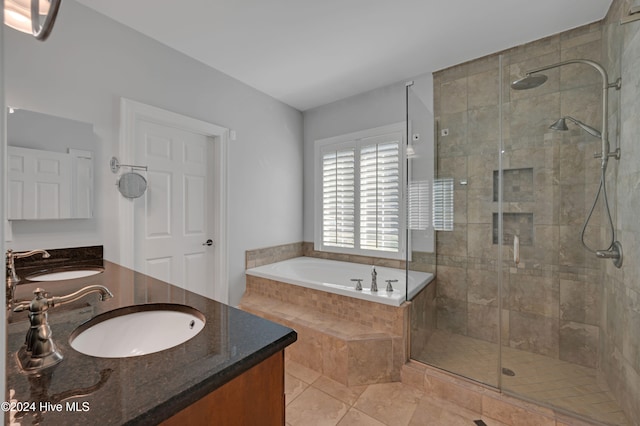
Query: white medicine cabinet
(49, 185)
(49, 168)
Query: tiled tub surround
(145, 389)
(335, 333)
(421, 261)
(351, 341)
(267, 255)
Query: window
(359, 193)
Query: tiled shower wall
(551, 300)
(620, 323)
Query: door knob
(209, 242)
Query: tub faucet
(374, 279)
(358, 282)
(390, 285)
(12, 277)
(39, 350)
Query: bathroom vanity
(232, 372)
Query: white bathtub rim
(395, 298)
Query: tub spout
(374, 279)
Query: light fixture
(31, 16)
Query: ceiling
(308, 53)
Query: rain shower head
(561, 124)
(533, 79)
(529, 82)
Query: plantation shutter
(443, 204)
(360, 193)
(338, 198)
(380, 195)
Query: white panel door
(174, 220)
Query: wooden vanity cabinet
(256, 397)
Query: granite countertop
(138, 390)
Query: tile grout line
(350, 406)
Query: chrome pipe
(604, 133)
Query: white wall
(368, 110)
(81, 72)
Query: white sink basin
(64, 275)
(137, 330)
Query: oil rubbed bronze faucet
(39, 350)
(12, 278)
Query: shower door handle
(516, 249)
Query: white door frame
(130, 113)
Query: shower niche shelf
(517, 185)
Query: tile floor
(539, 378)
(313, 399)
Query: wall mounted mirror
(49, 167)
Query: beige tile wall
(541, 313)
(492, 405)
(350, 340)
(423, 319)
(377, 316)
(620, 307)
(267, 255)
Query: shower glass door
(455, 322)
(552, 290)
(420, 239)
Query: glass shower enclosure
(517, 301)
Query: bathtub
(335, 277)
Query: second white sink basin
(64, 275)
(137, 330)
